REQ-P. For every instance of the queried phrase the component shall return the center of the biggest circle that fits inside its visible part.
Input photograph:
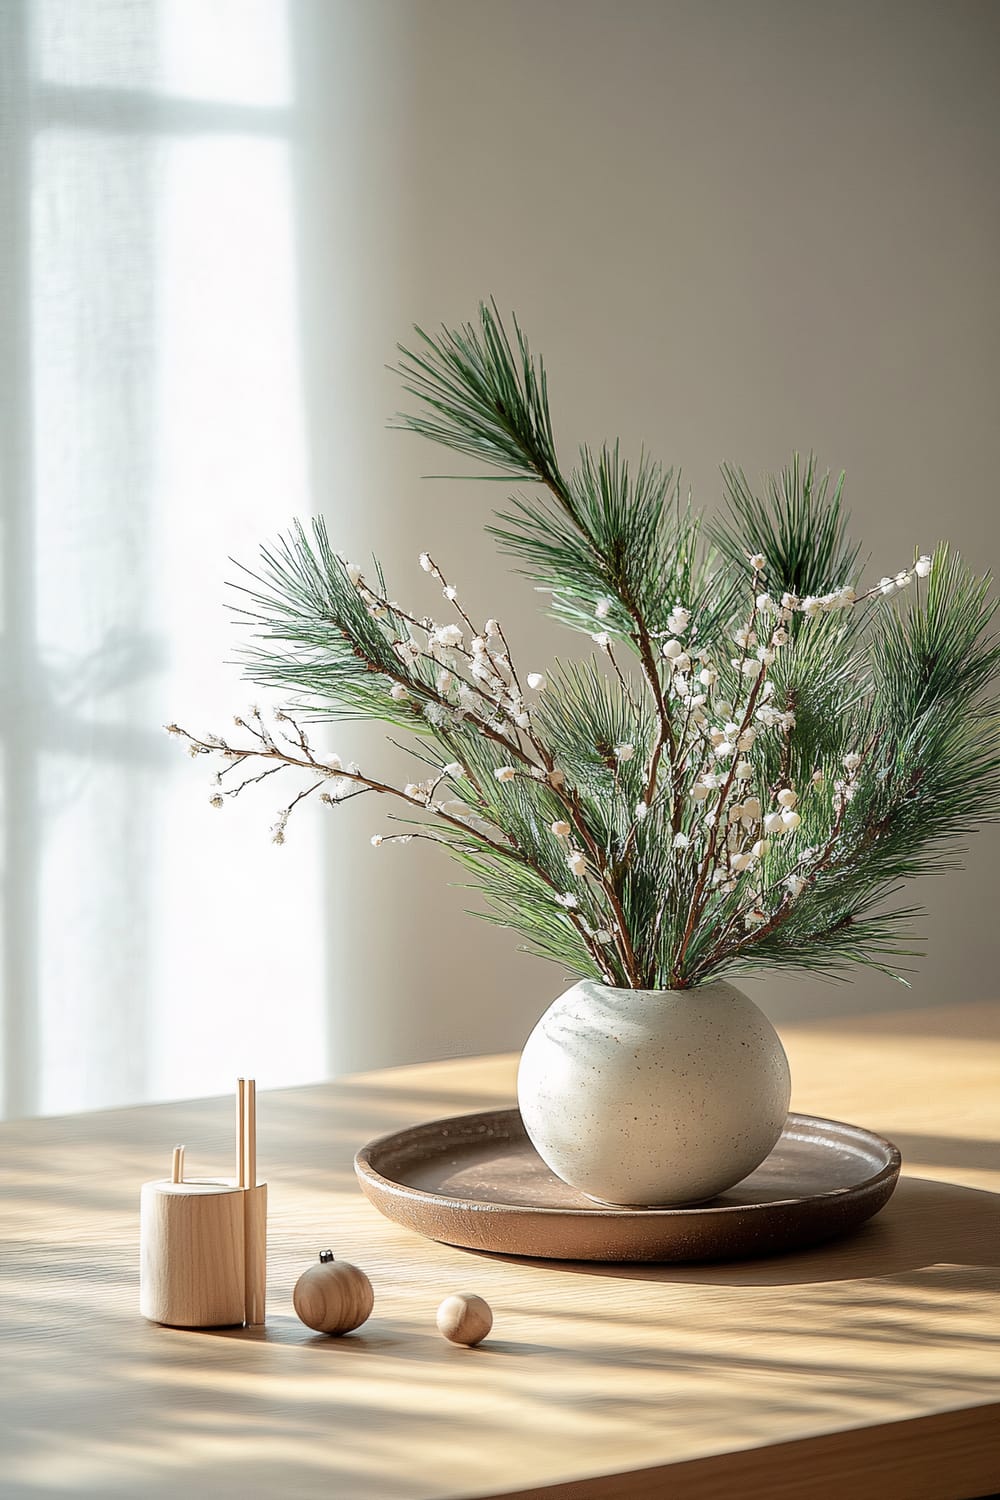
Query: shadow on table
(925, 1223)
(948, 1151)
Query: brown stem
(697, 896)
(234, 791)
(407, 682)
(458, 607)
(622, 680)
(640, 639)
(677, 816)
(508, 851)
(302, 795)
(510, 662)
(783, 912)
(665, 736)
(432, 696)
(786, 749)
(698, 893)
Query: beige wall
(734, 229)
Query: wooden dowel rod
(251, 1132)
(255, 1254)
(254, 1220)
(177, 1165)
(241, 1133)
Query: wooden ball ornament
(464, 1318)
(333, 1296)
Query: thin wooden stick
(251, 1133)
(177, 1165)
(254, 1221)
(241, 1133)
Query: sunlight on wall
(226, 51)
(230, 471)
(221, 51)
(174, 945)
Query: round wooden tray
(476, 1181)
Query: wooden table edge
(953, 1455)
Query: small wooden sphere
(333, 1296)
(464, 1318)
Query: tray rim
(366, 1172)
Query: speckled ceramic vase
(653, 1097)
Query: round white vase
(649, 1098)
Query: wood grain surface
(868, 1368)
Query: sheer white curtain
(209, 244)
(153, 425)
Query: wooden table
(869, 1368)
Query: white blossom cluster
(718, 738)
(814, 605)
(475, 679)
(473, 676)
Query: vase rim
(692, 989)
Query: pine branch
(782, 752)
(800, 527)
(484, 398)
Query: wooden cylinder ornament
(203, 1241)
(192, 1263)
(464, 1318)
(333, 1296)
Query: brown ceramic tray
(476, 1181)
